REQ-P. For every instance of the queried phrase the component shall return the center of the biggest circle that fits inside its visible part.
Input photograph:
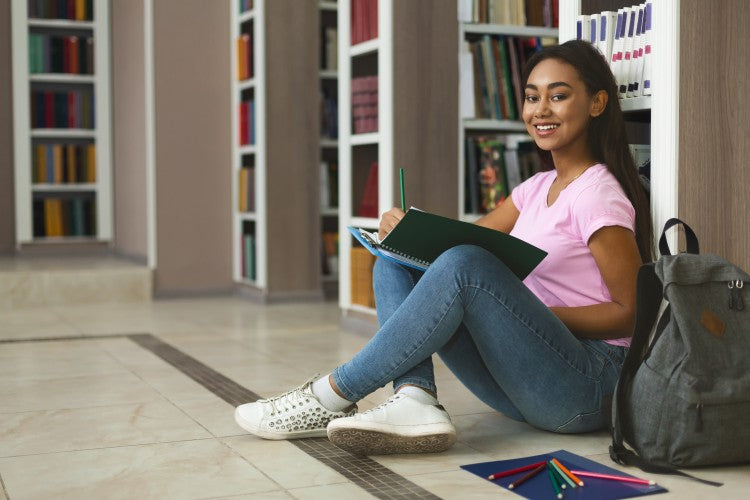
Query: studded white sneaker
(400, 425)
(294, 414)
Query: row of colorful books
(245, 5)
(246, 193)
(329, 184)
(491, 69)
(517, 12)
(62, 109)
(61, 54)
(247, 123)
(329, 115)
(365, 104)
(624, 39)
(64, 216)
(364, 20)
(73, 10)
(494, 167)
(244, 57)
(63, 163)
(248, 256)
(329, 48)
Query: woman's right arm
(502, 218)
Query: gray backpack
(683, 397)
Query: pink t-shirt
(569, 276)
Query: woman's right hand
(388, 221)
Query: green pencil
(554, 481)
(403, 195)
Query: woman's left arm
(616, 254)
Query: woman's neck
(570, 165)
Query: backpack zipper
(735, 295)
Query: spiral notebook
(420, 237)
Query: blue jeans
(499, 340)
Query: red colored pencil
(624, 479)
(531, 474)
(498, 475)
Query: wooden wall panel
(425, 96)
(292, 153)
(714, 176)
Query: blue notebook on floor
(540, 486)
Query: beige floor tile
(54, 359)
(264, 495)
(213, 413)
(460, 484)
(73, 392)
(283, 462)
(502, 438)
(102, 427)
(329, 491)
(191, 469)
(32, 323)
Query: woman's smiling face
(557, 106)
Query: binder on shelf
(420, 237)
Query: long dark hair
(607, 139)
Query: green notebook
(420, 237)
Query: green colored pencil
(554, 481)
(562, 475)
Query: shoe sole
(278, 436)
(369, 442)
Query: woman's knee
(464, 257)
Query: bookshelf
(486, 126)
(275, 92)
(61, 123)
(329, 208)
(395, 110)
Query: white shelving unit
(663, 104)
(514, 131)
(382, 46)
(24, 136)
(246, 22)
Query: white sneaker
(294, 414)
(400, 425)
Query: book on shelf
(496, 65)
(247, 123)
(624, 39)
(329, 115)
(329, 196)
(248, 256)
(495, 164)
(368, 206)
(59, 217)
(361, 264)
(246, 187)
(72, 10)
(329, 49)
(330, 254)
(61, 54)
(365, 104)
(62, 109)
(245, 5)
(244, 57)
(364, 20)
(420, 237)
(513, 12)
(63, 163)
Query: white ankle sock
(328, 397)
(419, 394)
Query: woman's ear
(599, 103)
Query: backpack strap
(690, 238)
(648, 295)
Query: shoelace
(385, 403)
(283, 402)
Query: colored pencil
(624, 479)
(498, 475)
(566, 471)
(517, 482)
(562, 474)
(554, 481)
(558, 476)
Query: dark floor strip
(64, 339)
(366, 473)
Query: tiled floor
(101, 413)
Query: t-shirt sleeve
(518, 195)
(600, 206)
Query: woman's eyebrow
(549, 87)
